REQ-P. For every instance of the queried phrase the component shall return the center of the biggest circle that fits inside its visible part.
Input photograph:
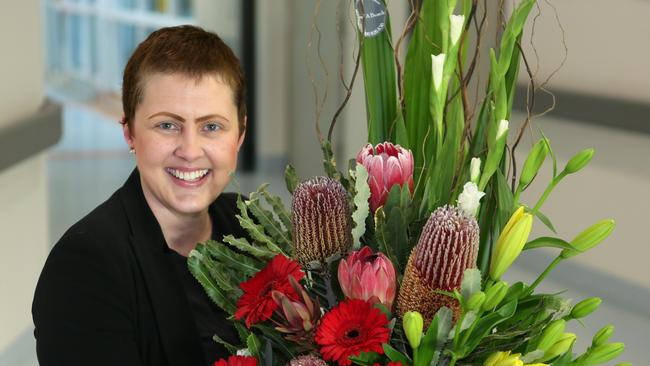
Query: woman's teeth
(188, 176)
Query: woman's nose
(189, 146)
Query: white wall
(23, 201)
(607, 45)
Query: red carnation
(352, 327)
(237, 361)
(257, 304)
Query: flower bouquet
(399, 259)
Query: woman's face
(186, 139)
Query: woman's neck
(181, 231)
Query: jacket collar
(178, 333)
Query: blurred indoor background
(62, 151)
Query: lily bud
(551, 334)
(579, 161)
(456, 28)
(559, 347)
(534, 161)
(494, 295)
(468, 201)
(475, 301)
(475, 170)
(413, 324)
(602, 336)
(624, 364)
(437, 68)
(603, 353)
(585, 307)
(510, 242)
(589, 238)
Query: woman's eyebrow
(200, 119)
(168, 114)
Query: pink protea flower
(367, 276)
(387, 165)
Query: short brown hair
(187, 50)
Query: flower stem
(329, 291)
(548, 191)
(541, 277)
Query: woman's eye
(166, 126)
(211, 127)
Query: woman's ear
(128, 137)
(242, 135)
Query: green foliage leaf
(378, 65)
(391, 227)
(254, 345)
(471, 283)
(269, 224)
(243, 245)
(486, 324)
(362, 208)
(290, 178)
(395, 355)
(545, 220)
(228, 258)
(434, 338)
(365, 358)
(549, 242)
(278, 208)
(231, 349)
(505, 200)
(200, 271)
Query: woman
(115, 289)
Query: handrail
(27, 137)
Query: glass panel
(126, 43)
(127, 4)
(74, 41)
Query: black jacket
(108, 294)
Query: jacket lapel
(178, 333)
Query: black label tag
(371, 17)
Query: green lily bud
(534, 161)
(624, 364)
(579, 161)
(551, 334)
(475, 301)
(589, 238)
(585, 307)
(494, 295)
(602, 336)
(559, 347)
(474, 170)
(413, 324)
(510, 242)
(603, 353)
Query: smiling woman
(116, 288)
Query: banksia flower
(307, 360)
(447, 247)
(321, 220)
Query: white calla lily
(437, 68)
(475, 169)
(456, 27)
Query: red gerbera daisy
(352, 327)
(237, 361)
(257, 304)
